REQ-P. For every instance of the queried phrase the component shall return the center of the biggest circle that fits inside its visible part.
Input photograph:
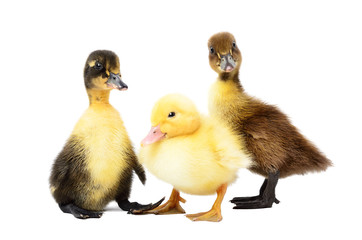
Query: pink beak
(229, 68)
(153, 136)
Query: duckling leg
(79, 212)
(214, 215)
(248, 199)
(266, 197)
(172, 206)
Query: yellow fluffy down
(104, 136)
(197, 163)
(225, 91)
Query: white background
(303, 56)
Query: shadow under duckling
(276, 146)
(194, 153)
(97, 162)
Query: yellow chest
(224, 97)
(195, 164)
(102, 132)
(187, 170)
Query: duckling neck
(98, 96)
(231, 77)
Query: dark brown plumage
(277, 147)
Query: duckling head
(102, 71)
(224, 54)
(173, 115)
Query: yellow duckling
(194, 153)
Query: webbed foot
(79, 212)
(266, 196)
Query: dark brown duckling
(278, 149)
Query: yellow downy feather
(104, 136)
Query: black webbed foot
(125, 205)
(245, 199)
(266, 196)
(255, 204)
(79, 212)
(259, 198)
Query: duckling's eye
(212, 50)
(171, 114)
(98, 66)
(234, 44)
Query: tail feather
(315, 160)
(307, 159)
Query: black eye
(98, 66)
(171, 114)
(234, 44)
(212, 50)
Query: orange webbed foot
(214, 215)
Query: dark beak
(227, 63)
(115, 82)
